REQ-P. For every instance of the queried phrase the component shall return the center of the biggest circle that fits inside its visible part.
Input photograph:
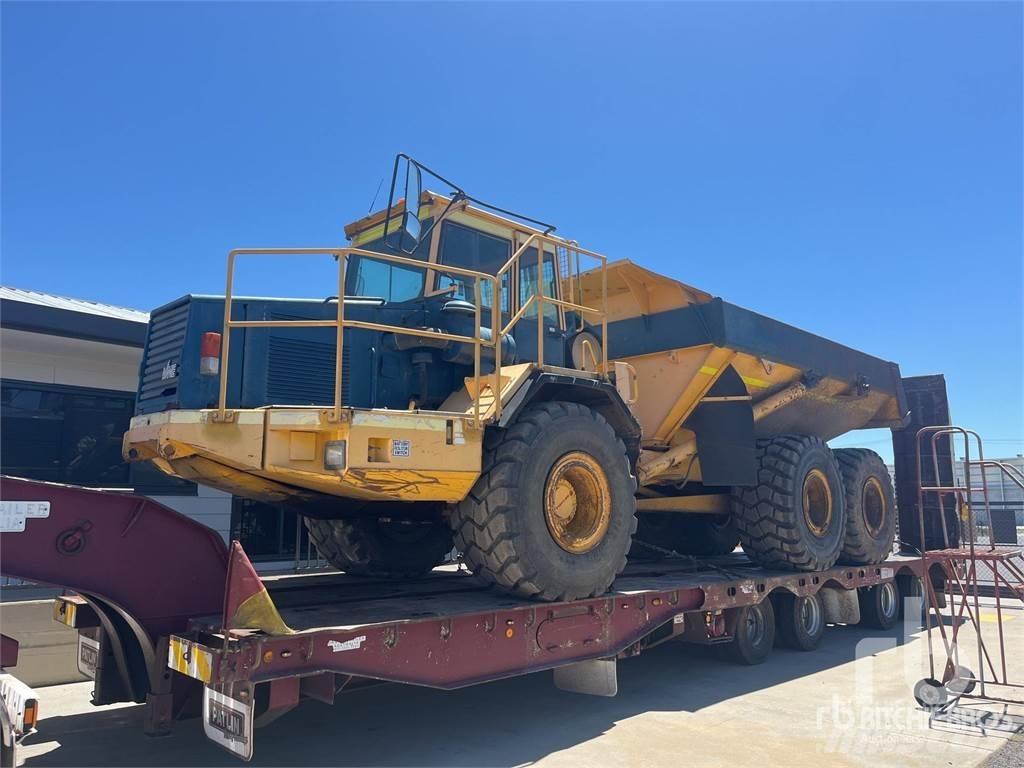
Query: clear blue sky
(854, 169)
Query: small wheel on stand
(962, 683)
(930, 693)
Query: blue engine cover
(295, 366)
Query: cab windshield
(394, 283)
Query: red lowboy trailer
(169, 615)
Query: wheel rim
(875, 508)
(577, 503)
(810, 615)
(755, 627)
(887, 599)
(817, 498)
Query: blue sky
(853, 169)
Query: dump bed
(686, 344)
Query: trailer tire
(880, 605)
(753, 634)
(391, 548)
(795, 517)
(870, 507)
(799, 621)
(553, 513)
(698, 535)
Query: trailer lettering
(348, 645)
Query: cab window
(471, 249)
(528, 283)
(383, 279)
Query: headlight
(334, 454)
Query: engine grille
(301, 372)
(165, 338)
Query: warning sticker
(349, 645)
(401, 449)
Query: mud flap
(228, 721)
(88, 655)
(594, 678)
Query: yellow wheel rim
(875, 507)
(577, 503)
(817, 497)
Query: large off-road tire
(708, 535)
(697, 535)
(870, 507)
(795, 517)
(553, 513)
(384, 547)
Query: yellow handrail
(340, 323)
(477, 339)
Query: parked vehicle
(479, 382)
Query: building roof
(73, 305)
(47, 313)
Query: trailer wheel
(378, 546)
(795, 516)
(879, 606)
(870, 507)
(799, 621)
(754, 633)
(553, 513)
(699, 535)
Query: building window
(73, 435)
(267, 532)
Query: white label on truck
(887, 573)
(13, 514)
(228, 722)
(401, 449)
(349, 645)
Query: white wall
(48, 359)
(209, 506)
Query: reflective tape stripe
(707, 370)
(190, 659)
(64, 612)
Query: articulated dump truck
(475, 382)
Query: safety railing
(538, 298)
(340, 322)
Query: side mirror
(404, 235)
(411, 228)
